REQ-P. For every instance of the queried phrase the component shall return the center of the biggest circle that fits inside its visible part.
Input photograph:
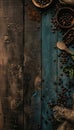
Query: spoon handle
(68, 51)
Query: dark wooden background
(31, 71)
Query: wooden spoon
(62, 46)
(69, 1)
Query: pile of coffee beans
(43, 2)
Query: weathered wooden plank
(32, 66)
(11, 48)
(49, 67)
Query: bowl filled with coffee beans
(68, 37)
(42, 3)
(65, 17)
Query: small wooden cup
(41, 5)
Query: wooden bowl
(68, 37)
(71, 2)
(42, 3)
(65, 17)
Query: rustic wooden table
(43, 80)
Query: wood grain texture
(11, 48)
(32, 79)
(32, 66)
